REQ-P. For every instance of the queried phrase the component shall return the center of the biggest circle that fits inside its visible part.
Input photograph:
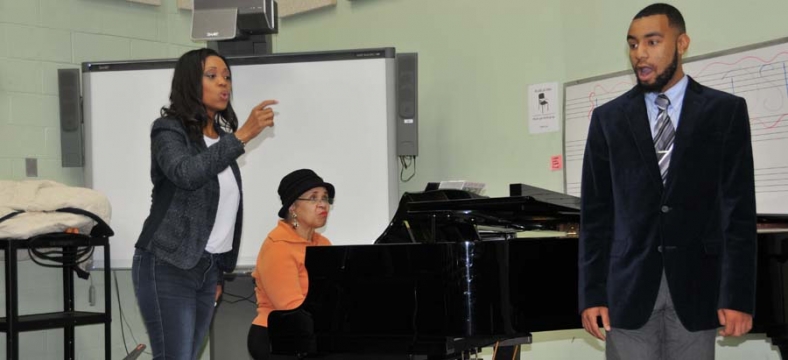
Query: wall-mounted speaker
(70, 100)
(407, 104)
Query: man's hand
(735, 323)
(590, 317)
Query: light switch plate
(31, 167)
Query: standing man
(668, 238)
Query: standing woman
(193, 231)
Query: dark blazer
(699, 227)
(185, 195)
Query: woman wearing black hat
(281, 280)
(193, 231)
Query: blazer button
(665, 209)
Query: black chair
(543, 102)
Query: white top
(221, 239)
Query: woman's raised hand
(261, 117)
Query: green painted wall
(37, 37)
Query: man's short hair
(675, 19)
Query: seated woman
(281, 281)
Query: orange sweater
(281, 280)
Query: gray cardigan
(185, 195)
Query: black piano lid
(528, 204)
(453, 215)
(545, 195)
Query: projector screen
(335, 115)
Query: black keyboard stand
(69, 318)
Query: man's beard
(662, 79)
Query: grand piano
(450, 275)
(771, 292)
(447, 277)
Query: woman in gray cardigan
(193, 231)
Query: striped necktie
(663, 140)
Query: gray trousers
(662, 338)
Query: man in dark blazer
(667, 235)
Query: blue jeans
(176, 305)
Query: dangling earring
(295, 220)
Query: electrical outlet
(31, 167)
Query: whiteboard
(757, 73)
(335, 116)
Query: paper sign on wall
(543, 108)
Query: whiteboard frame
(378, 190)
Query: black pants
(259, 346)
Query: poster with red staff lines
(758, 73)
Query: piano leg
(510, 349)
(507, 353)
(783, 351)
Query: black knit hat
(296, 183)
